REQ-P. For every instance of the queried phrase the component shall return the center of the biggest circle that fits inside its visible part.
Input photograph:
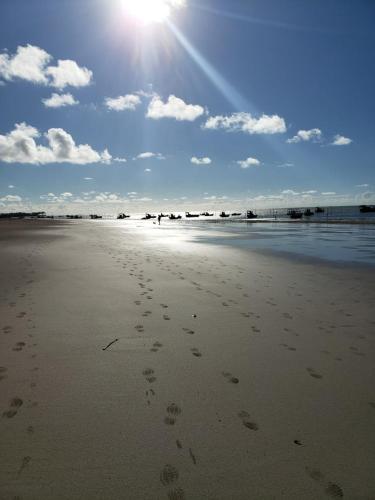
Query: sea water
(340, 243)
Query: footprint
(287, 316)
(139, 328)
(245, 418)
(156, 346)
(173, 409)
(166, 317)
(187, 330)
(313, 373)
(334, 490)
(149, 375)
(195, 352)
(168, 475)
(16, 403)
(230, 378)
(164, 306)
(288, 347)
(331, 489)
(176, 494)
(137, 302)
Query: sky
(146, 105)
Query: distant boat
(94, 216)
(206, 214)
(295, 214)
(250, 215)
(365, 209)
(189, 215)
(308, 213)
(236, 213)
(149, 216)
(163, 215)
(123, 216)
(319, 210)
(223, 214)
(174, 217)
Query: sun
(148, 11)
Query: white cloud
(30, 64)
(120, 160)
(149, 154)
(358, 185)
(68, 72)
(340, 140)
(27, 64)
(311, 191)
(10, 186)
(147, 169)
(19, 146)
(314, 134)
(59, 100)
(245, 122)
(201, 161)
(88, 178)
(174, 108)
(329, 193)
(249, 162)
(129, 102)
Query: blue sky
(248, 103)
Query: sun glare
(148, 11)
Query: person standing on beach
(159, 219)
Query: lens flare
(150, 11)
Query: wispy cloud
(174, 108)
(245, 122)
(201, 161)
(30, 62)
(59, 101)
(123, 102)
(148, 154)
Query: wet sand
(136, 369)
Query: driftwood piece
(109, 345)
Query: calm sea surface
(341, 243)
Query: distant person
(159, 219)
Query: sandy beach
(134, 365)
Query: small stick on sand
(109, 345)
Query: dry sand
(233, 375)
